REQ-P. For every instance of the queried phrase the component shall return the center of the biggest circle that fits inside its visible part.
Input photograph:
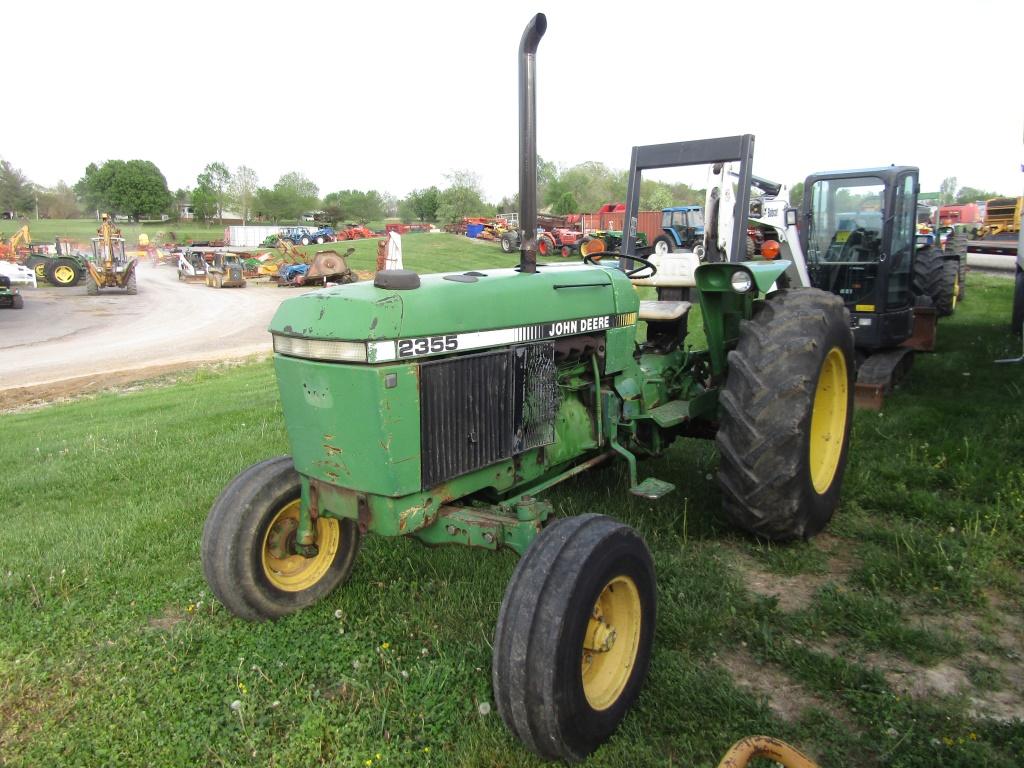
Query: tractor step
(652, 488)
(671, 413)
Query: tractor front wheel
(92, 288)
(131, 286)
(509, 242)
(663, 244)
(787, 406)
(574, 636)
(248, 545)
(38, 265)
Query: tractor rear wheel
(509, 242)
(949, 288)
(545, 245)
(928, 279)
(63, 273)
(787, 406)
(247, 547)
(574, 636)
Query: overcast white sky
(391, 96)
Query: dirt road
(64, 342)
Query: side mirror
(791, 214)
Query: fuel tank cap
(397, 279)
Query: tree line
(138, 189)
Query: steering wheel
(644, 263)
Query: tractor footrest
(670, 414)
(652, 488)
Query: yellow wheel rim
(63, 274)
(295, 573)
(611, 642)
(40, 269)
(828, 420)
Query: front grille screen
(476, 410)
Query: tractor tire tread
(531, 624)
(234, 522)
(766, 406)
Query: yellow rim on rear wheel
(611, 642)
(828, 420)
(291, 572)
(64, 274)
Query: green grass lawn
(45, 230)
(113, 652)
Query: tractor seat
(662, 311)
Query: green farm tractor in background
(440, 407)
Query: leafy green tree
(290, 197)
(134, 187)
(947, 190)
(242, 190)
(217, 178)
(796, 194)
(565, 205)
(204, 199)
(59, 202)
(16, 191)
(423, 203)
(973, 195)
(655, 195)
(463, 197)
(354, 205)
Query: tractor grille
(479, 409)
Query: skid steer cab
(441, 407)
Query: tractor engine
(422, 390)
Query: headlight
(741, 281)
(320, 349)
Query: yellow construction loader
(110, 267)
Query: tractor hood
(460, 310)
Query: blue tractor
(682, 227)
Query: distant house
(186, 213)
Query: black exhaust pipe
(528, 142)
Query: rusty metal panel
(648, 222)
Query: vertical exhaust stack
(528, 141)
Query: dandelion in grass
(236, 705)
(385, 646)
(338, 614)
(484, 709)
(355, 664)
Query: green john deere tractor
(440, 407)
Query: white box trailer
(248, 236)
